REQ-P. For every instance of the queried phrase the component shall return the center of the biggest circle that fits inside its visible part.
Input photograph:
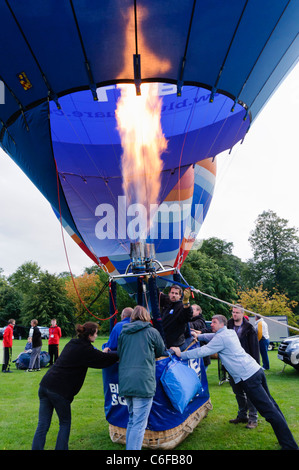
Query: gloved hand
(187, 293)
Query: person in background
(243, 368)
(64, 380)
(198, 325)
(139, 344)
(125, 317)
(248, 339)
(28, 345)
(36, 338)
(264, 339)
(7, 345)
(53, 341)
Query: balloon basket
(167, 427)
(165, 440)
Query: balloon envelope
(217, 63)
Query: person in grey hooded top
(139, 344)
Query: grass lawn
(19, 411)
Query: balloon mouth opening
(115, 200)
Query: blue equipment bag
(180, 383)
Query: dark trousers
(48, 401)
(257, 391)
(7, 352)
(244, 404)
(53, 352)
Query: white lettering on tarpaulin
(115, 398)
(195, 365)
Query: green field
(19, 411)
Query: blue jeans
(257, 391)
(264, 343)
(48, 401)
(139, 410)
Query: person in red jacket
(53, 342)
(7, 345)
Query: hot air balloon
(210, 65)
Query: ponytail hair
(89, 328)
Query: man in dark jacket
(248, 339)
(175, 313)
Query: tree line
(268, 283)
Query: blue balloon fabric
(23, 360)
(216, 65)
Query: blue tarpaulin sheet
(163, 415)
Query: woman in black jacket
(64, 380)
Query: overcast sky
(260, 174)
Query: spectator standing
(264, 339)
(7, 345)
(53, 341)
(248, 339)
(36, 337)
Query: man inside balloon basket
(176, 313)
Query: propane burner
(143, 256)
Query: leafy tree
(91, 297)
(3, 281)
(203, 273)
(10, 304)
(83, 293)
(25, 276)
(275, 247)
(259, 300)
(48, 300)
(275, 262)
(222, 253)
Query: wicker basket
(168, 439)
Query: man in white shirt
(242, 367)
